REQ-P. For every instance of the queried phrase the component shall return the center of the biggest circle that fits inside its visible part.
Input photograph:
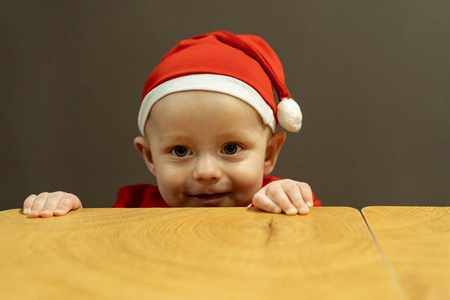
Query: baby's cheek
(170, 186)
(248, 181)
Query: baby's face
(207, 149)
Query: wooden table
(415, 242)
(191, 253)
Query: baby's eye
(180, 151)
(231, 148)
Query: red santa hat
(243, 66)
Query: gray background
(372, 78)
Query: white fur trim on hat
(289, 115)
(207, 82)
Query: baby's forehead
(202, 101)
(210, 107)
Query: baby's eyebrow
(175, 137)
(240, 134)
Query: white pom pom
(289, 115)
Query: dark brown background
(372, 78)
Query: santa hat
(243, 66)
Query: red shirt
(147, 195)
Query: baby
(207, 120)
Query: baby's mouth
(209, 199)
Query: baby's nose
(207, 168)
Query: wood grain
(416, 242)
(191, 253)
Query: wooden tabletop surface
(192, 253)
(416, 243)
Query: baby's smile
(210, 199)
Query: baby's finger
(38, 205)
(306, 193)
(53, 200)
(261, 201)
(67, 203)
(278, 196)
(296, 198)
(28, 204)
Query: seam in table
(397, 285)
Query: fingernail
(26, 211)
(291, 211)
(304, 210)
(277, 210)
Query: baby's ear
(143, 148)
(273, 149)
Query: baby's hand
(286, 195)
(50, 204)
